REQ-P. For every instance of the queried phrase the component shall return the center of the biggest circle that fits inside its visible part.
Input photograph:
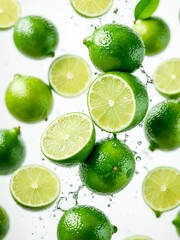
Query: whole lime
(85, 222)
(155, 34)
(4, 223)
(12, 150)
(28, 99)
(115, 47)
(162, 125)
(109, 168)
(36, 37)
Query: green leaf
(145, 8)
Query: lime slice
(161, 189)
(69, 139)
(117, 101)
(89, 8)
(9, 13)
(34, 186)
(138, 238)
(69, 75)
(167, 78)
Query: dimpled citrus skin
(84, 223)
(115, 47)
(29, 99)
(155, 34)
(4, 223)
(162, 125)
(35, 37)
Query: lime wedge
(117, 101)
(9, 13)
(69, 75)
(34, 186)
(167, 78)
(69, 139)
(138, 238)
(161, 189)
(89, 8)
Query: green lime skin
(29, 99)
(155, 34)
(12, 150)
(115, 47)
(36, 37)
(162, 126)
(85, 222)
(176, 223)
(109, 168)
(4, 223)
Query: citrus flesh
(69, 75)
(155, 34)
(34, 186)
(115, 47)
(84, 222)
(69, 139)
(162, 126)
(4, 223)
(12, 150)
(29, 99)
(36, 37)
(109, 168)
(89, 8)
(117, 101)
(161, 189)
(9, 13)
(167, 78)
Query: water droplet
(109, 205)
(140, 125)
(136, 172)
(139, 142)
(116, 10)
(138, 158)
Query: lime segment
(89, 8)
(69, 139)
(161, 189)
(34, 186)
(9, 13)
(167, 78)
(69, 75)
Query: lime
(12, 150)
(115, 47)
(34, 186)
(35, 37)
(89, 8)
(69, 75)
(176, 223)
(85, 222)
(9, 13)
(155, 34)
(167, 78)
(162, 125)
(69, 139)
(4, 223)
(117, 101)
(161, 189)
(28, 99)
(109, 168)
(138, 238)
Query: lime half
(69, 139)
(34, 186)
(69, 75)
(89, 8)
(9, 13)
(161, 189)
(167, 78)
(117, 101)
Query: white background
(126, 209)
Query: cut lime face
(69, 75)
(69, 139)
(161, 189)
(113, 101)
(34, 186)
(9, 13)
(167, 78)
(89, 8)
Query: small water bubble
(138, 158)
(139, 142)
(134, 152)
(140, 125)
(116, 10)
(109, 205)
(40, 218)
(136, 172)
